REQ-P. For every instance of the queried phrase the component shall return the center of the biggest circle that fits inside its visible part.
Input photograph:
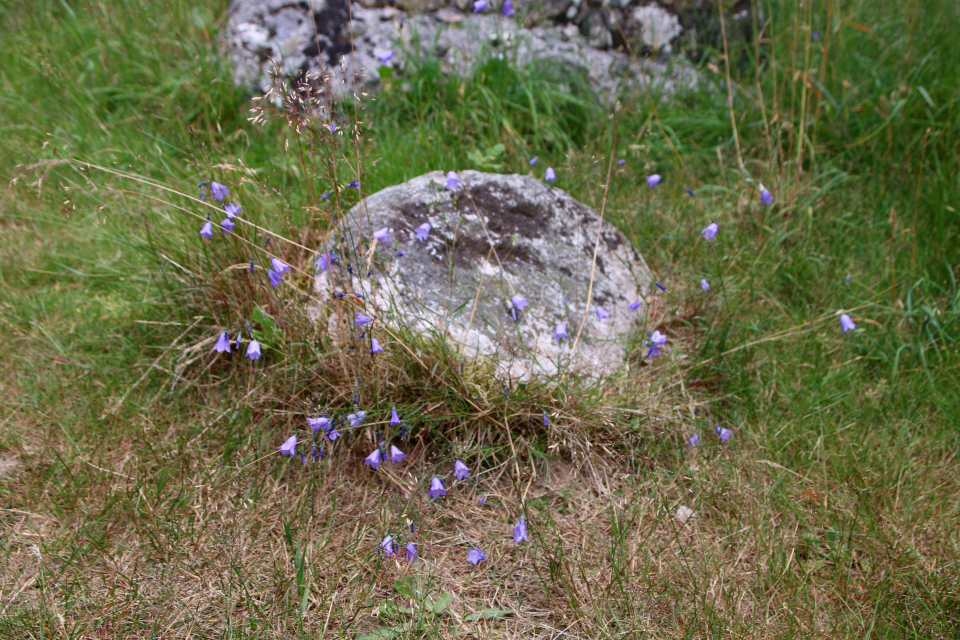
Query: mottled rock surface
(494, 237)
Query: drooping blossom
(453, 181)
(710, 231)
(602, 314)
(356, 419)
(289, 447)
(239, 338)
(657, 340)
(847, 279)
(423, 231)
(375, 346)
(206, 230)
(520, 531)
(560, 333)
(394, 418)
(661, 287)
(373, 460)
(386, 547)
(690, 192)
(326, 195)
(460, 471)
(765, 196)
(653, 180)
(275, 278)
(546, 419)
(533, 160)
(507, 8)
(361, 319)
(482, 499)
(318, 423)
(479, 5)
(396, 456)
(383, 235)
(219, 191)
(436, 488)
(354, 185)
(476, 556)
(223, 343)
(332, 433)
(385, 57)
(549, 175)
(694, 440)
(635, 305)
(325, 260)
(333, 127)
(411, 552)
(724, 433)
(519, 302)
(253, 350)
(232, 210)
(846, 323)
(621, 162)
(227, 225)
(279, 266)
(705, 285)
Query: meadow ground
(141, 495)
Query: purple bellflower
(354, 185)
(602, 314)
(396, 456)
(519, 302)
(279, 266)
(386, 547)
(661, 287)
(560, 333)
(206, 230)
(326, 195)
(325, 260)
(227, 225)
(219, 191)
(356, 419)
(710, 231)
(635, 305)
(318, 423)
(411, 552)
(383, 235)
(361, 319)
(846, 323)
(289, 447)
(621, 162)
(482, 499)
(765, 197)
(507, 8)
(385, 57)
(436, 488)
(653, 180)
(705, 285)
(533, 160)
(453, 181)
(815, 36)
(423, 231)
(394, 418)
(690, 192)
(657, 340)
(253, 350)
(373, 460)
(460, 471)
(275, 278)
(333, 127)
(479, 6)
(232, 210)
(223, 343)
(847, 279)
(549, 175)
(476, 556)
(724, 433)
(546, 419)
(694, 440)
(520, 531)
(375, 346)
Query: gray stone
(493, 237)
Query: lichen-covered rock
(492, 238)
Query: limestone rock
(494, 237)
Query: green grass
(147, 500)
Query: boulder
(492, 238)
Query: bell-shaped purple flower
(533, 160)
(460, 471)
(507, 8)
(279, 266)
(549, 175)
(333, 127)
(705, 285)
(635, 305)
(560, 332)
(476, 556)
(325, 260)
(227, 225)
(396, 456)
(289, 447)
(354, 185)
(375, 346)
(411, 552)
(724, 433)
(386, 547)
(361, 319)
(373, 460)
(318, 423)
(394, 418)
(385, 57)
(710, 231)
(232, 210)
(602, 314)
(653, 180)
(766, 197)
(520, 531)
(206, 230)
(356, 419)
(275, 278)
(423, 231)
(694, 440)
(621, 162)
(479, 5)
(689, 192)
(383, 235)
(519, 302)
(546, 419)
(657, 340)
(453, 181)
(436, 488)
(223, 343)
(332, 433)
(253, 350)
(219, 191)
(846, 323)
